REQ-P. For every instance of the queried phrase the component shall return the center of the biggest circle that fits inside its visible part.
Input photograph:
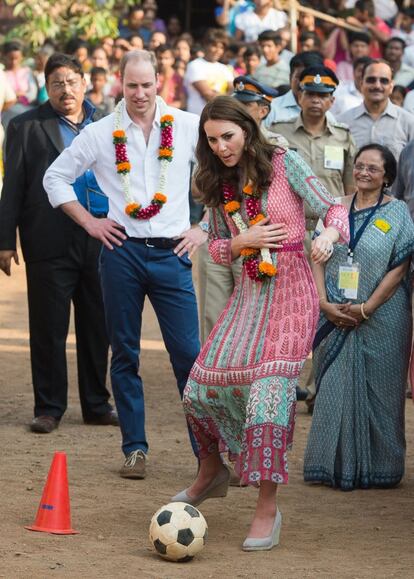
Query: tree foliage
(60, 20)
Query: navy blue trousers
(128, 274)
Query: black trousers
(52, 286)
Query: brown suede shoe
(108, 419)
(134, 465)
(44, 424)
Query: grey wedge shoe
(265, 543)
(216, 489)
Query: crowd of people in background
(338, 87)
(251, 38)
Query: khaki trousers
(216, 285)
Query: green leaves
(61, 20)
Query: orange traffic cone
(53, 514)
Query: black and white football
(178, 531)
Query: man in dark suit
(61, 259)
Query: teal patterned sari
(357, 434)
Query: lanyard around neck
(354, 238)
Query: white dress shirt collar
(127, 121)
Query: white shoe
(265, 543)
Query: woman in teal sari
(363, 341)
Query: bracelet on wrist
(363, 314)
(203, 225)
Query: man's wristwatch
(204, 226)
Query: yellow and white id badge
(348, 280)
(333, 158)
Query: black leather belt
(158, 242)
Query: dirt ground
(326, 533)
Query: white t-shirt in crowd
(409, 102)
(252, 25)
(217, 75)
(408, 37)
(408, 56)
(347, 96)
(384, 9)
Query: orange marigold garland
(123, 165)
(232, 207)
(257, 262)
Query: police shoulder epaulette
(339, 125)
(288, 121)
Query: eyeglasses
(368, 168)
(373, 80)
(72, 83)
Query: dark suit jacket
(33, 143)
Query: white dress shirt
(93, 148)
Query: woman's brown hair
(255, 165)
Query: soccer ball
(178, 531)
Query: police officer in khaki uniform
(327, 146)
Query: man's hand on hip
(6, 255)
(106, 230)
(191, 240)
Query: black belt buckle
(157, 242)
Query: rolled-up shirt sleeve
(64, 171)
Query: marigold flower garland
(258, 262)
(123, 165)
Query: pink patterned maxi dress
(241, 393)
